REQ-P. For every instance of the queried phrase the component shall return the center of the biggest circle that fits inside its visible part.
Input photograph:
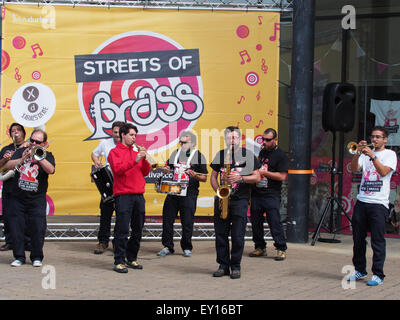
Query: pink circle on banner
(50, 206)
(5, 60)
(36, 75)
(158, 135)
(252, 78)
(247, 118)
(19, 42)
(258, 139)
(259, 47)
(242, 31)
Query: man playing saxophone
(242, 167)
(17, 134)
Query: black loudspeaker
(338, 111)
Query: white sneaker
(164, 252)
(17, 263)
(37, 263)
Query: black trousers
(106, 212)
(130, 211)
(235, 226)
(186, 206)
(271, 206)
(30, 218)
(369, 217)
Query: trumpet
(153, 164)
(353, 146)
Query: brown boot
(100, 248)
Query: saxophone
(224, 190)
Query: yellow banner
(76, 70)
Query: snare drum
(170, 187)
(103, 178)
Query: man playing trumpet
(372, 204)
(28, 204)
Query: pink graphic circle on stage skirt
(252, 78)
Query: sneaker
(164, 252)
(187, 253)
(5, 247)
(37, 263)
(280, 255)
(221, 272)
(134, 265)
(17, 263)
(120, 268)
(375, 281)
(235, 274)
(357, 276)
(100, 248)
(258, 252)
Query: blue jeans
(269, 205)
(235, 224)
(130, 209)
(187, 208)
(369, 217)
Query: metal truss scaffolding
(241, 5)
(151, 231)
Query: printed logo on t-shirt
(27, 179)
(371, 182)
(390, 122)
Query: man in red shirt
(129, 168)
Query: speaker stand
(329, 206)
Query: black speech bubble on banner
(137, 65)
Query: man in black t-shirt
(266, 196)
(243, 167)
(28, 204)
(189, 168)
(17, 134)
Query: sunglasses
(183, 142)
(35, 141)
(267, 139)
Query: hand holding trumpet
(361, 147)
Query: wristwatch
(373, 158)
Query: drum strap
(192, 153)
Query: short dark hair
(124, 129)
(14, 125)
(42, 131)
(232, 129)
(269, 130)
(118, 124)
(382, 129)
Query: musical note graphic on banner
(259, 123)
(258, 96)
(240, 101)
(260, 20)
(276, 28)
(271, 112)
(35, 47)
(264, 67)
(243, 54)
(7, 103)
(17, 76)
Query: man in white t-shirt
(377, 165)
(106, 208)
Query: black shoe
(134, 265)
(235, 274)
(5, 247)
(120, 268)
(221, 272)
